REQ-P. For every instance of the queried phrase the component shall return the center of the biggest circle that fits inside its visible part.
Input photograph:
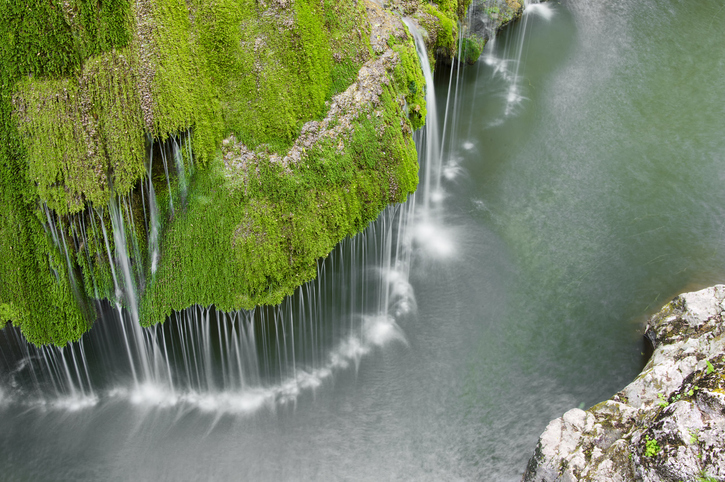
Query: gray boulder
(668, 424)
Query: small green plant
(710, 368)
(694, 438)
(651, 448)
(692, 391)
(703, 477)
(664, 401)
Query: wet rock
(668, 424)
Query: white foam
(513, 99)
(434, 238)
(402, 296)
(74, 403)
(378, 331)
(542, 9)
(452, 171)
(438, 196)
(500, 66)
(152, 394)
(242, 402)
(381, 330)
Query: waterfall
(60, 243)
(154, 223)
(507, 64)
(180, 170)
(428, 229)
(430, 135)
(241, 361)
(168, 181)
(59, 376)
(238, 362)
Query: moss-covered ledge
(91, 91)
(258, 220)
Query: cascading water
(180, 169)
(154, 224)
(507, 63)
(241, 361)
(429, 135)
(429, 230)
(97, 234)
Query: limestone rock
(668, 424)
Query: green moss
(409, 74)
(42, 42)
(447, 30)
(8, 312)
(462, 9)
(502, 11)
(88, 84)
(83, 134)
(35, 277)
(472, 48)
(442, 23)
(237, 247)
(447, 7)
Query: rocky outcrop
(668, 424)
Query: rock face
(668, 424)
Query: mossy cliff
(284, 126)
(459, 29)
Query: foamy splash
(73, 403)
(64, 403)
(452, 169)
(373, 332)
(434, 238)
(402, 298)
(542, 9)
(377, 331)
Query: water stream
(571, 183)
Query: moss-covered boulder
(93, 97)
(258, 220)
